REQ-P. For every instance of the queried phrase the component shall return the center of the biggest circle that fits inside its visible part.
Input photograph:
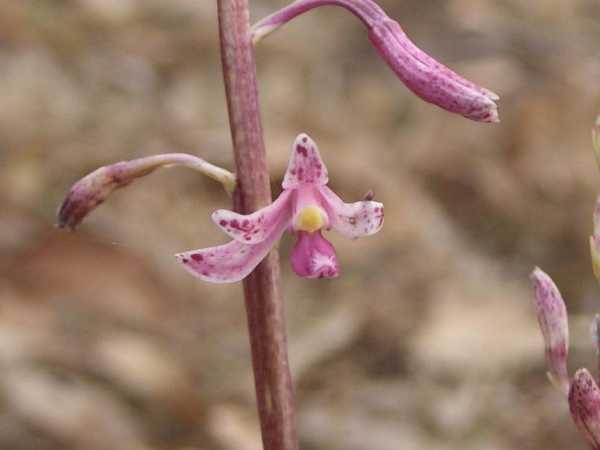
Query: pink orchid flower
(306, 206)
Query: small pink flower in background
(584, 404)
(306, 207)
(553, 321)
(582, 392)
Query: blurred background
(428, 340)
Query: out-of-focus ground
(427, 341)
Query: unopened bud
(427, 78)
(552, 318)
(94, 188)
(584, 403)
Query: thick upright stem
(264, 305)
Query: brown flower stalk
(264, 305)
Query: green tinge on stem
(94, 188)
(596, 140)
(595, 241)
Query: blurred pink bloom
(584, 403)
(306, 206)
(595, 241)
(552, 318)
(427, 78)
(582, 391)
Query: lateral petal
(258, 226)
(230, 262)
(352, 220)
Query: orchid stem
(264, 303)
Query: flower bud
(584, 403)
(423, 75)
(552, 318)
(94, 188)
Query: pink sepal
(256, 227)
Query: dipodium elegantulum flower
(430, 80)
(582, 391)
(306, 207)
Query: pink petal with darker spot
(352, 220)
(256, 227)
(306, 165)
(230, 262)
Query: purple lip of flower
(427, 78)
(306, 206)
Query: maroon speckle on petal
(304, 139)
(223, 223)
(302, 151)
(197, 257)
(185, 260)
(235, 224)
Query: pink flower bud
(94, 188)
(584, 403)
(423, 75)
(552, 318)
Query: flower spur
(306, 206)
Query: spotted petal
(230, 262)
(256, 227)
(306, 165)
(353, 220)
